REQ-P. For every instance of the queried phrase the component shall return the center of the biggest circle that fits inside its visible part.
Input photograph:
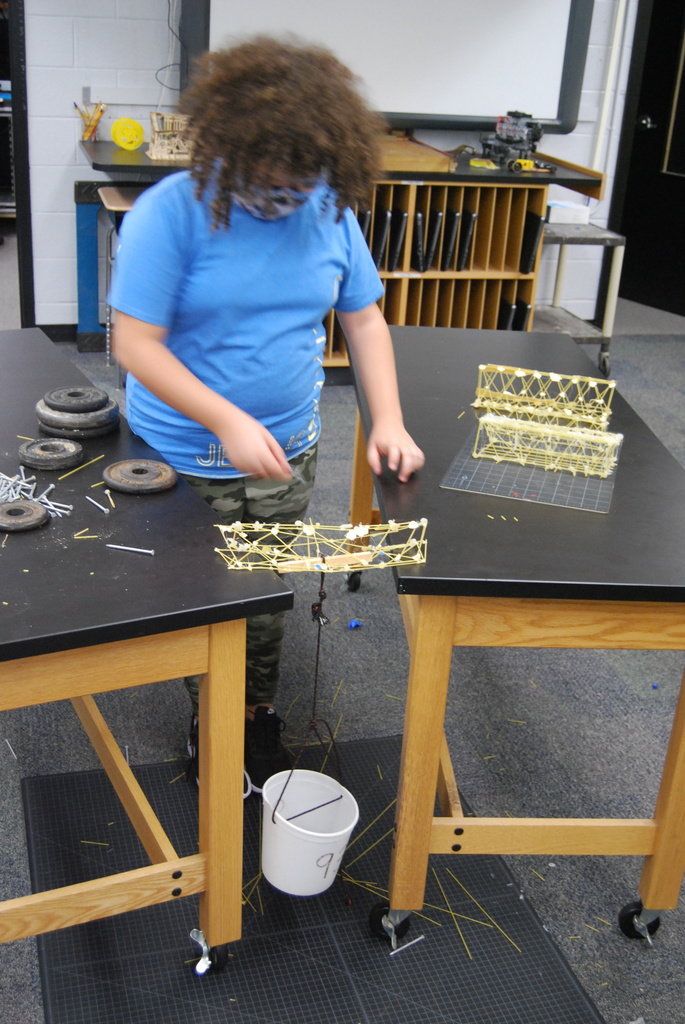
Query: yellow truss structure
(570, 449)
(555, 421)
(311, 547)
(544, 397)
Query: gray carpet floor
(588, 734)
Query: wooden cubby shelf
(456, 250)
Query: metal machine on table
(513, 143)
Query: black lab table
(79, 618)
(553, 577)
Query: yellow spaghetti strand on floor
(517, 948)
(454, 918)
(377, 818)
(369, 848)
(464, 917)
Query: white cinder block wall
(115, 47)
(584, 263)
(583, 146)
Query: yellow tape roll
(127, 133)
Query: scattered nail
(97, 504)
(139, 551)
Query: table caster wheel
(376, 916)
(214, 958)
(353, 580)
(626, 921)
(604, 363)
(218, 956)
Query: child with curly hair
(223, 277)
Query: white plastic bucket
(301, 856)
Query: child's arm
(369, 339)
(140, 347)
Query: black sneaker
(192, 748)
(265, 755)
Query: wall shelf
(485, 290)
(494, 286)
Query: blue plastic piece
(87, 268)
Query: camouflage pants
(247, 500)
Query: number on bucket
(325, 861)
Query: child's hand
(253, 450)
(403, 455)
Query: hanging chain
(321, 620)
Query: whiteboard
(437, 63)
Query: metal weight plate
(79, 398)
(22, 515)
(77, 420)
(79, 435)
(136, 476)
(51, 454)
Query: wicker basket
(168, 137)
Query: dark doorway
(649, 197)
(6, 198)
(20, 159)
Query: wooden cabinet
(420, 180)
(492, 284)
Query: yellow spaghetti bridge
(551, 420)
(311, 547)
(544, 397)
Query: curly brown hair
(270, 105)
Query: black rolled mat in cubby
(301, 960)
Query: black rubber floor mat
(484, 955)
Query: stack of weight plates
(77, 413)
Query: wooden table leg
(361, 494)
(662, 874)
(423, 730)
(221, 743)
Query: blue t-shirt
(243, 307)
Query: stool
(564, 235)
(117, 201)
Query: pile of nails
(23, 487)
(21, 508)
